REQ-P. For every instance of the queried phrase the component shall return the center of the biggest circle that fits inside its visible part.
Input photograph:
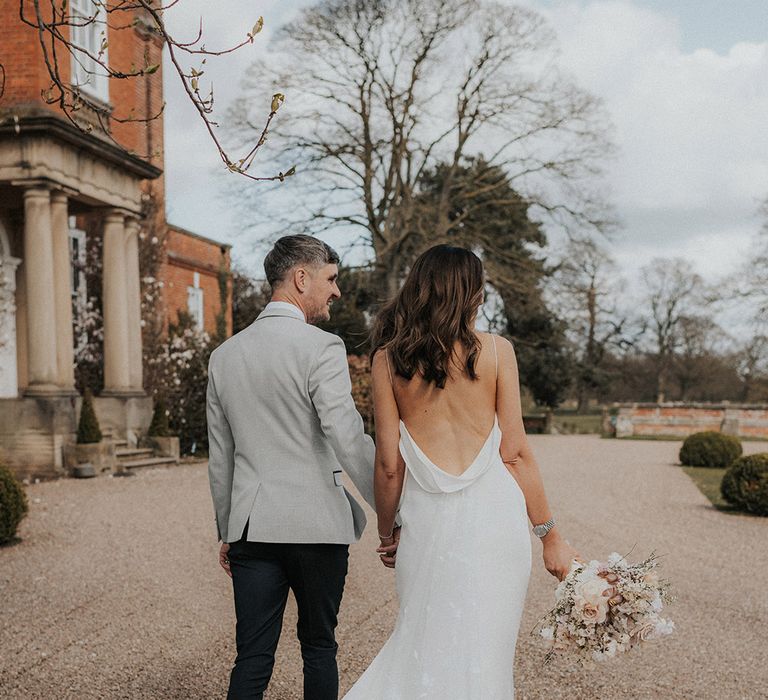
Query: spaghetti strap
(495, 355)
(389, 369)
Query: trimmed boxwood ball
(710, 449)
(13, 504)
(745, 484)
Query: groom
(282, 425)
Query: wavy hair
(435, 308)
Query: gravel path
(114, 591)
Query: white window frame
(87, 75)
(195, 302)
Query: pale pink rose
(645, 631)
(592, 614)
(651, 578)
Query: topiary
(13, 504)
(88, 430)
(159, 426)
(745, 484)
(709, 449)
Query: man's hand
(387, 548)
(224, 558)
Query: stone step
(149, 462)
(123, 452)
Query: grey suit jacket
(282, 425)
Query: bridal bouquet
(606, 608)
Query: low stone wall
(35, 431)
(680, 420)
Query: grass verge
(708, 481)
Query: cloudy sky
(685, 83)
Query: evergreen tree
(88, 430)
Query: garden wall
(682, 419)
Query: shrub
(88, 430)
(180, 369)
(709, 449)
(745, 484)
(13, 504)
(362, 390)
(159, 426)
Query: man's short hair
(291, 251)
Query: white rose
(592, 590)
(664, 627)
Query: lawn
(572, 423)
(708, 480)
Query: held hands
(558, 555)
(224, 558)
(387, 548)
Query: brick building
(196, 279)
(60, 184)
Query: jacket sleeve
(221, 458)
(330, 389)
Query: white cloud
(693, 163)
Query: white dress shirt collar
(286, 306)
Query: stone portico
(49, 172)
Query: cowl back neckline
(434, 479)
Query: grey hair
(299, 249)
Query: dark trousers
(262, 575)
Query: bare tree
(700, 344)
(674, 292)
(586, 290)
(752, 282)
(753, 364)
(382, 91)
(56, 24)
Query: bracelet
(388, 537)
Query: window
(78, 288)
(88, 34)
(77, 260)
(195, 302)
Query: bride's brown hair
(435, 308)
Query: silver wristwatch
(543, 529)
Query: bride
(452, 458)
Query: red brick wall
(683, 420)
(22, 57)
(185, 255)
(27, 76)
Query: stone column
(133, 298)
(40, 292)
(117, 374)
(62, 282)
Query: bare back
(450, 425)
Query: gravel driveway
(114, 591)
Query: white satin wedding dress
(462, 572)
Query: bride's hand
(558, 555)
(387, 548)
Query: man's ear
(300, 279)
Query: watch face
(540, 530)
